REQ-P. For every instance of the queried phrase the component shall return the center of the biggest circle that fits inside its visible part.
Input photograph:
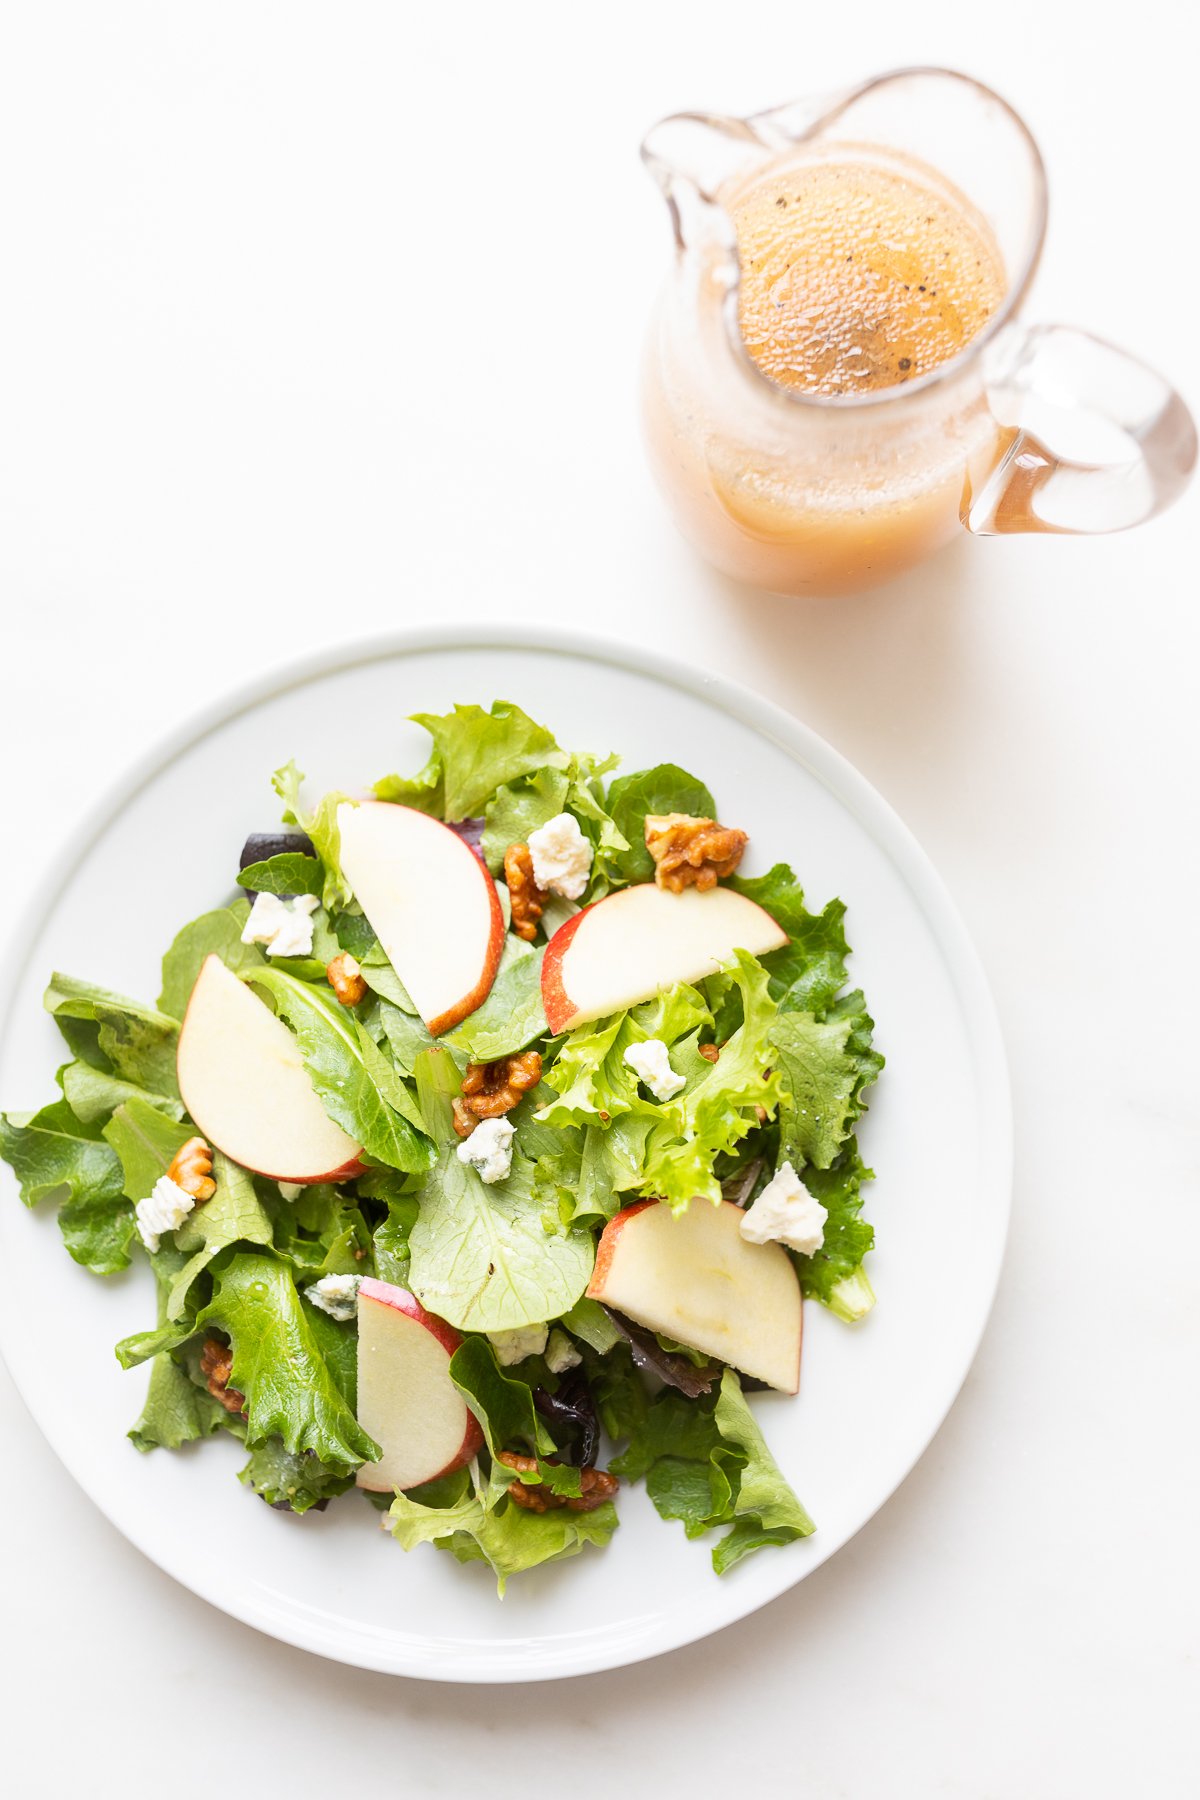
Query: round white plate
(938, 1134)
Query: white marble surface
(316, 321)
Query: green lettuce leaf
(217, 933)
(322, 1231)
(510, 1540)
(291, 1481)
(291, 1392)
(520, 807)
(146, 1140)
(94, 1096)
(321, 826)
(812, 967)
(234, 1215)
(478, 752)
(834, 1274)
(663, 789)
(483, 1256)
(502, 1403)
(115, 1034)
(56, 1157)
(291, 872)
(511, 1018)
(178, 1408)
(820, 1077)
(358, 1087)
(705, 1462)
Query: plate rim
(843, 780)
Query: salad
(483, 1149)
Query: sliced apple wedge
(406, 1399)
(696, 1279)
(243, 1080)
(633, 944)
(431, 902)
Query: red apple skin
(454, 1015)
(384, 1293)
(608, 1244)
(462, 1009)
(347, 1172)
(558, 1008)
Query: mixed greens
(237, 1276)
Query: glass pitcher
(802, 492)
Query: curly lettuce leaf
(811, 967)
(55, 1156)
(322, 1232)
(357, 1085)
(475, 752)
(321, 826)
(475, 1526)
(704, 1461)
(217, 933)
(834, 1275)
(820, 1076)
(293, 1481)
(664, 789)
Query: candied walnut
(691, 852)
(492, 1089)
(216, 1365)
(465, 1120)
(528, 899)
(344, 975)
(191, 1169)
(595, 1487)
(710, 1052)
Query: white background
(320, 320)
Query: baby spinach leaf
(503, 1405)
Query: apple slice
(243, 1080)
(632, 944)
(431, 902)
(696, 1279)
(406, 1399)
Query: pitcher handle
(1070, 372)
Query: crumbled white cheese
(562, 856)
(651, 1064)
(336, 1295)
(285, 928)
(561, 1353)
(786, 1213)
(165, 1207)
(515, 1346)
(291, 1190)
(488, 1150)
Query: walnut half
(490, 1090)
(691, 852)
(216, 1365)
(596, 1486)
(344, 975)
(191, 1169)
(528, 899)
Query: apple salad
(484, 1150)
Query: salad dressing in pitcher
(836, 381)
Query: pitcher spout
(692, 157)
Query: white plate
(938, 1133)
